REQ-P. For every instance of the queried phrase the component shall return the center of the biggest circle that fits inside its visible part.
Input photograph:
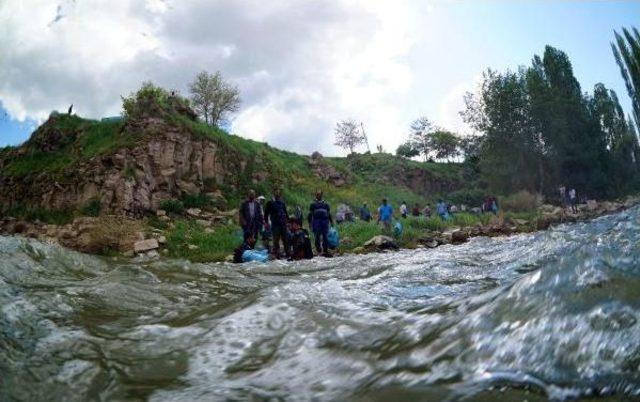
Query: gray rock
(145, 245)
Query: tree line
(536, 129)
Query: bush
(172, 206)
(522, 201)
(92, 208)
(196, 201)
(471, 198)
(112, 233)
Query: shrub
(196, 200)
(112, 233)
(172, 206)
(51, 216)
(472, 197)
(522, 201)
(92, 208)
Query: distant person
(385, 214)
(320, 220)
(248, 244)
(70, 110)
(365, 214)
(563, 194)
(494, 205)
(426, 211)
(573, 200)
(251, 216)
(453, 209)
(300, 241)
(442, 210)
(416, 210)
(276, 211)
(404, 211)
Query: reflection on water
(552, 315)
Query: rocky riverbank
(129, 237)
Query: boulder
(381, 242)
(194, 212)
(592, 205)
(161, 212)
(142, 246)
(203, 222)
(162, 240)
(459, 236)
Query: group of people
(271, 221)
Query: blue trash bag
(397, 229)
(255, 255)
(334, 238)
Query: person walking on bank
(250, 216)
(573, 200)
(276, 211)
(319, 220)
(385, 214)
(365, 214)
(404, 211)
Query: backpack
(334, 238)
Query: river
(544, 316)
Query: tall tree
(445, 144)
(626, 51)
(421, 130)
(348, 135)
(213, 98)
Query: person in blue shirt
(441, 208)
(385, 214)
(319, 220)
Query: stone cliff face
(134, 179)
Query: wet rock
(592, 205)
(381, 242)
(459, 237)
(145, 245)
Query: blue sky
(300, 67)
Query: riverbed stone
(381, 242)
(145, 245)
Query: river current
(551, 315)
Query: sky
(301, 65)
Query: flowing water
(551, 315)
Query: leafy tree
(421, 130)
(626, 51)
(152, 100)
(213, 98)
(444, 144)
(509, 154)
(407, 150)
(349, 135)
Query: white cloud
(301, 65)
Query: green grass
(215, 246)
(50, 216)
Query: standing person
(365, 214)
(426, 212)
(250, 216)
(319, 220)
(416, 210)
(441, 208)
(403, 209)
(385, 214)
(276, 211)
(563, 194)
(573, 200)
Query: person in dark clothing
(251, 216)
(248, 244)
(276, 212)
(319, 220)
(416, 210)
(365, 214)
(300, 241)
